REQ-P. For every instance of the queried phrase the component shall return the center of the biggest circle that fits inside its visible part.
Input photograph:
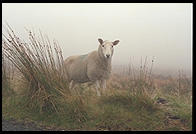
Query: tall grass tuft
(7, 75)
(41, 63)
(141, 78)
(184, 84)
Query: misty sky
(161, 30)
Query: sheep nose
(107, 55)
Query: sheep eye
(112, 46)
(102, 45)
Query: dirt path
(13, 125)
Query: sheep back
(76, 68)
(89, 67)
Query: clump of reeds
(141, 77)
(41, 64)
(7, 75)
(184, 84)
(179, 85)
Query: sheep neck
(106, 63)
(103, 62)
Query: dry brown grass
(40, 63)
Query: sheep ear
(100, 41)
(115, 42)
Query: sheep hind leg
(72, 85)
(97, 88)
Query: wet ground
(13, 125)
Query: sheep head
(106, 48)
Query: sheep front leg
(103, 84)
(97, 88)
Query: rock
(161, 100)
(173, 117)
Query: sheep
(94, 67)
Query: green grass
(180, 108)
(112, 112)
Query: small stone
(174, 117)
(161, 100)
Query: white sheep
(93, 67)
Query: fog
(161, 30)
